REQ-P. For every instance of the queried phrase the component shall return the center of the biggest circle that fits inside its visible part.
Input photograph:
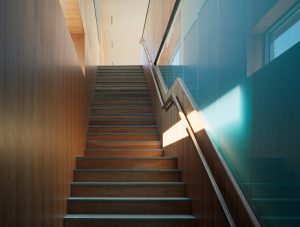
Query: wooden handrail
(145, 20)
(152, 74)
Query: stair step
(125, 121)
(124, 89)
(123, 128)
(274, 190)
(124, 152)
(128, 205)
(120, 81)
(276, 176)
(119, 100)
(278, 206)
(122, 106)
(129, 220)
(126, 175)
(122, 116)
(112, 77)
(281, 220)
(126, 162)
(124, 73)
(147, 103)
(112, 95)
(123, 144)
(122, 85)
(128, 189)
(123, 136)
(122, 110)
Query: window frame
(278, 28)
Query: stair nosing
(126, 158)
(126, 119)
(130, 170)
(122, 133)
(129, 199)
(177, 183)
(123, 149)
(128, 217)
(123, 126)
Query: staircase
(124, 179)
(274, 191)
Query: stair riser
(277, 208)
(125, 122)
(122, 111)
(130, 90)
(80, 176)
(125, 145)
(108, 73)
(127, 82)
(124, 92)
(122, 105)
(126, 164)
(121, 79)
(121, 95)
(136, 223)
(275, 191)
(121, 101)
(122, 116)
(140, 86)
(123, 137)
(122, 129)
(125, 153)
(128, 191)
(280, 223)
(131, 207)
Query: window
(284, 34)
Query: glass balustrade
(240, 61)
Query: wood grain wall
(43, 100)
(157, 20)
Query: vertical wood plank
(43, 111)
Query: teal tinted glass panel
(251, 109)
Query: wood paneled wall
(43, 99)
(158, 16)
(170, 46)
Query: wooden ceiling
(72, 15)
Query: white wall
(125, 31)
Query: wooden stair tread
(131, 217)
(124, 126)
(124, 179)
(128, 170)
(122, 149)
(128, 183)
(126, 158)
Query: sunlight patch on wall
(225, 110)
(197, 121)
(229, 107)
(174, 134)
